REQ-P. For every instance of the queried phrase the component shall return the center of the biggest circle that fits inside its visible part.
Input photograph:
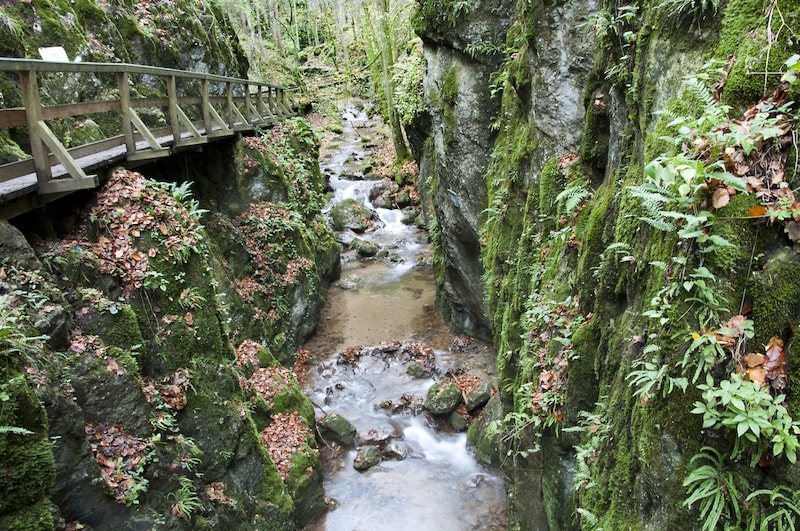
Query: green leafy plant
(753, 413)
(781, 509)
(616, 30)
(715, 487)
(186, 501)
(688, 10)
(573, 196)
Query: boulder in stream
(337, 429)
(374, 437)
(478, 395)
(443, 397)
(395, 449)
(351, 214)
(367, 457)
(364, 248)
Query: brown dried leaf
(792, 228)
(720, 198)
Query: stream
(438, 484)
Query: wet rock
(367, 457)
(351, 214)
(457, 421)
(443, 397)
(336, 428)
(416, 370)
(478, 395)
(395, 449)
(481, 438)
(373, 437)
(403, 197)
(409, 216)
(364, 248)
(407, 403)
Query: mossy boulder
(443, 397)
(367, 457)
(365, 248)
(337, 429)
(478, 395)
(351, 214)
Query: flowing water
(439, 485)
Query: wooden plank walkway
(54, 171)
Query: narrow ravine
(381, 308)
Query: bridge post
(125, 106)
(33, 113)
(229, 95)
(173, 109)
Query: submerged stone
(416, 370)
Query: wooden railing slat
(257, 103)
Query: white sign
(54, 53)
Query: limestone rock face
(577, 121)
(461, 104)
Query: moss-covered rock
(336, 428)
(443, 397)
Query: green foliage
(409, 98)
(753, 413)
(572, 197)
(616, 32)
(681, 11)
(780, 511)
(186, 501)
(716, 487)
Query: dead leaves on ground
(768, 369)
(127, 211)
(120, 457)
(171, 390)
(284, 438)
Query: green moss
(27, 459)
(775, 293)
(33, 517)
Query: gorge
(609, 190)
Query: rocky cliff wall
(459, 62)
(626, 258)
(156, 398)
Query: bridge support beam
(43, 138)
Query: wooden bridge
(198, 108)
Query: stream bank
(379, 320)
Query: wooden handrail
(37, 65)
(259, 103)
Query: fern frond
(659, 224)
(14, 430)
(572, 197)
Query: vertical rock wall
(461, 50)
(575, 289)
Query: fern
(715, 487)
(14, 430)
(572, 197)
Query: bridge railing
(218, 106)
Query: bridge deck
(54, 171)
